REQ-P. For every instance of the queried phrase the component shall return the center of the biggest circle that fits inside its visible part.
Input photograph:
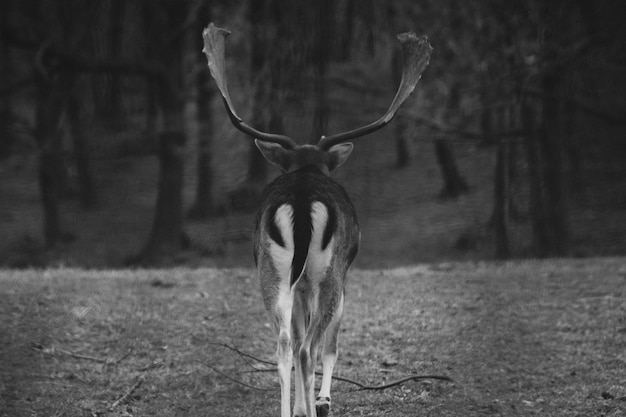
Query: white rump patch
(283, 256)
(319, 259)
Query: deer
(307, 233)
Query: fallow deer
(307, 233)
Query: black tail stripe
(274, 233)
(331, 226)
(302, 230)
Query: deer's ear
(274, 153)
(339, 154)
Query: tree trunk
(322, 54)
(513, 211)
(454, 184)
(499, 218)
(166, 235)
(278, 73)
(152, 110)
(544, 154)
(486, 116)
(257, 15)
(499, 121)
(402, 148)
(6, 73)
(576, 180)
(536, 199)
(50, 106)
(7, 134)
(114, 104)
(86, 188)
(347, 31)
(368, 12)
(552, 149)
(49, 192)
(203, 205)
(107, 37)
(400, 124)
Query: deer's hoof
(322, 406)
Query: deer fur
(307, 233)
(306, 237)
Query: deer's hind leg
(307, 359)
(298, 333)
(329, 358)
(282, 313)
(323, 304)
(278, 297)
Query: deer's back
(306, 223)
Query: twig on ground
(157, 363)
(106, 361)
(244, 357)
(361, 386)
(80, 356)
(230, 378)
(127, 354)
(243, 354)
(364, 387)
(127, 394)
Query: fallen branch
(52, 350)
(80, 356)
(127, 354)
(127, 395)
(243, 354)
(361, 386)
(364, 387)
(105, 361)
(230, 378)
(157, 363)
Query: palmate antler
(416, 55)
(307, 227)
(214, 50)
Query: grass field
(521, 338)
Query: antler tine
(416, 55)
(214, 50)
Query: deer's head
(331, 151)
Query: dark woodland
(127, 203)
(115, 149)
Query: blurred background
(115, 149)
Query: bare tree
(203, 205)
(167, 236)
(50, 104)
(322, 53)
(107, 35)
(454, 184)
(402, 148)
(257, 17)
(76, 118)
(52, 97)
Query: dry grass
(524, 338)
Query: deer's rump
(304, 210)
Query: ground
(521, 338)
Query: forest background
(115, 149)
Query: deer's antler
(214, 50)
(416, 55)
